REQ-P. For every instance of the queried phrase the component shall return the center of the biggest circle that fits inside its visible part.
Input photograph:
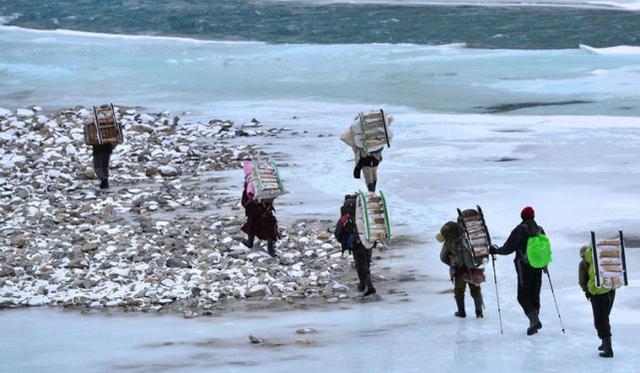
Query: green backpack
(539, 251)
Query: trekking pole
(495, 281)
(554, 300)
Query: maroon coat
(261, 219)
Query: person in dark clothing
(101, 156)
(261, 222)
(529, 278)
(362, 262)
(346, 233)
(601, 300)
(457, 255)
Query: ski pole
(554, 300)
(495, 281)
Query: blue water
(297, 22)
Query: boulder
(168, 171)
(259, 290)
(176, 262)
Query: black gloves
(587, 295)
(493, 249)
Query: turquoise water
(54, 70)
(359, 23)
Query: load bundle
(476, 232)
(372, 218)
(263, 181)
(369, 132)
(102, 127)
(609, 261)
(373, 127)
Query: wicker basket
(103, 127)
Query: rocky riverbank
(164, 237)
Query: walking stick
(495, 281)
(554, 299)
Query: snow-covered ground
(579, 172)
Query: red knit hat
(527, 213)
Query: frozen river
(453, 165)
(572, 154)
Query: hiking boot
(369, 287)
(534, 323)
(248, 243)
(539, 322)
(477, 302)
(104, 184)
(270, 249)
(371, 187)
(607, 350)
(361, 286)
(460, 303)
(601, 347)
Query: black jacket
(518, 239)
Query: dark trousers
(101, 156)
(529, 282)
(362, 259)
(601, 305)
(251, 238)
(459, 286)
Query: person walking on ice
(601, 299)
(346, 232)
(367, 136)
(456, 254)
(261, 222)
(525, 240)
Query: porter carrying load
(372, 218)
(263, 180)
(102, 127)
(609, 262)
(477, 235)
(367, 136)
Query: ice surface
(167, 74)
(620, 49)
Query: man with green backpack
(533, 253)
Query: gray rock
(90, 246)
(259, 290)
(90, 173)
(176, 262)
(306, 331)
(7, 271)
(168, 171)
(79, 262)
(22, 193)
(18, 241)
